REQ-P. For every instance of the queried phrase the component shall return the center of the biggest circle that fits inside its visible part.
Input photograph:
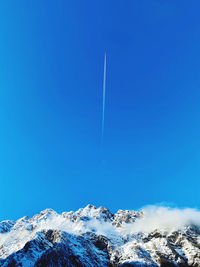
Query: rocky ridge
(94, 236)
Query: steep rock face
(95, 237)
(5, 226)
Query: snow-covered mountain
(94, 236)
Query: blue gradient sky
(51, 75)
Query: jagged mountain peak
(91, 211)
(45, 214)
(93, 236)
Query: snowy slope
(95, 237)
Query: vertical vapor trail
(104, 96)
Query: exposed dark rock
(96, 237)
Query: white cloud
(164, 218)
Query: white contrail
(104, 96)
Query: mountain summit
(94, 236)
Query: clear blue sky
(51, 75)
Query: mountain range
(93, 236)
